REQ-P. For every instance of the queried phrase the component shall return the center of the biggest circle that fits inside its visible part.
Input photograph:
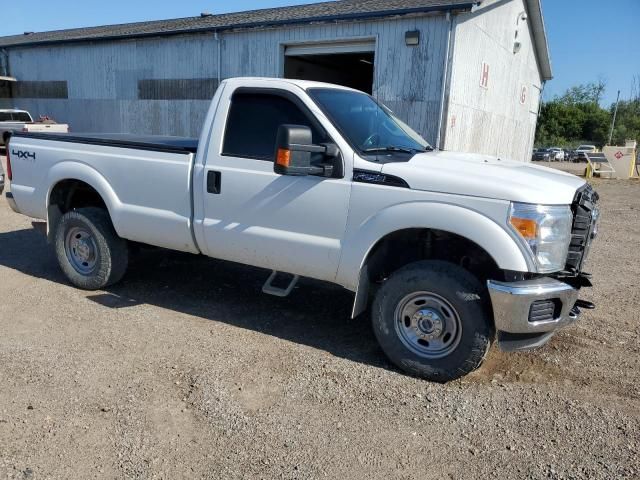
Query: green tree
(583, 94)
(627, 122)
(576, 117)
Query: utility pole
(613, 121)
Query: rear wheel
(432, 321)
(89, 251)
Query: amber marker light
(527, 227)
(284, 157)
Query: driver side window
(253, 121)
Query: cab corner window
(253, 121)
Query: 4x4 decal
(23, 155)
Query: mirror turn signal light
(283, 158)
(527, 227)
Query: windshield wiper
(392, 148)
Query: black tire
(110, 256)
(455, 288)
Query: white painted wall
(492, 120)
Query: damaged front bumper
(527, 313)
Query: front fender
(462, 221)
(71, 170)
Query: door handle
(213, 182)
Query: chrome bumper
(512, 304)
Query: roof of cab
(304, 84)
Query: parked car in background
(1, 179)
(12, 120)
(541, 155)
(586, 148)
(579, 153)
(557, 154)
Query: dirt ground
(185, 370)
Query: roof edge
(534, 9)
(461, 6)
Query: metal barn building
(465, 74)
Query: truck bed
(145, 181)
(31, 127)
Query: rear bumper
(512, 304)
(11, 201)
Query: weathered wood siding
(103, 78)
(492, 120)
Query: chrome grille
(584, 229)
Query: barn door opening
(351, 64)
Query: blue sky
(589, 39)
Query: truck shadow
(316, 314)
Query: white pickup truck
(317, 180)
(21, 121)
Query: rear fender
(70, 170)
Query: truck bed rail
(139, 142)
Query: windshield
(367, 125)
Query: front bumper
(512, 310)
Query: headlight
(546, 229)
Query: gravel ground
(186, 371)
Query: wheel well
(69, 195)
(402, 247)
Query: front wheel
(431, 319)
(89, 251)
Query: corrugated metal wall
(102, 82)
(494, 119)
(105, 79)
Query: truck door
(255, 216)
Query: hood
(486, 176)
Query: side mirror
(294, 146)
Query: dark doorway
(353, 70)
